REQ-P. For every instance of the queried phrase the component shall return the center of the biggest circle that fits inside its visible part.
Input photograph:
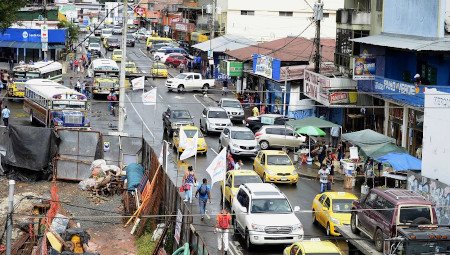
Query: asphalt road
(146, 121)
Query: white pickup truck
(189, 81)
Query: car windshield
(191, 132)
(242, 135)
(279, 160)
(113, 40)
(130, 65)
(409, 213)
(181, 76)
(271, 206)
(342, 205)
(94, 45)
(217, 115)
(181, 115)
(232, 104)
(241, 179)
(159, 65)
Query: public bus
(39, 70)
(54, 105)
(105, 76)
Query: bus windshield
(65, 104)
(26, 75)
(104, 74)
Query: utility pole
(10, 215)
(318, 15)
(122, 68)
(45, 49)
(213, 23)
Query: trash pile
(105, 180)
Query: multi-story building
(270, 20)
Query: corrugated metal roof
(224, 43)
(406, 42)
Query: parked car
(234, 179)
(214, 119)
(263, 215)
(189, 81)
(383, 211)
(278, 136)
(95, 49)
(130, 41)
(175, 59)
(111, 43)
(233, 108)
(159, 70)
(158, 46)
(190, 131)
(239, 140)
(165, 57)
(331, 209)
(117, 30)
(275, 166)
(174, 118)
(159, 54)
(314, 246)
(255, 123)
(142, 34)
(117, 55)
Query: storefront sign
(364, 68)
(181, 27)
(32, 35)
(394, 87)
(264, 66)
(44, 33)
(231, 68)
(318, 87)
(339, 98)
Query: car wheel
(169, 90)
(354, 223)
(180, 88)
(314, 218)
(264, 145)
(379, 240)
(328, 229)
(248, 242)
(205, 88)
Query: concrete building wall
(267, 24)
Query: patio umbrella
(310, 131)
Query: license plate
(284, 179)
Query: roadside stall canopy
(401, 161)
(311, 121)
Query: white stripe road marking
(142, 52)
(160, 96)
(199, 101)
(132, 105)
(214, 151)
(234, 249)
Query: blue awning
(29, 45)
(401, 161)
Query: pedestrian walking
(71, 85)
(321, 153)
(11, 63)
(223, 222)
(323, 178)
(255, 111)
(189, 181)
(1, 85)
(112, 98)
(78, 85)
(181, 66)
(203, 193)
(71, 65)
(330, 167)
(225, 87)
(75, 65)
(335, 132)
(5, 115)
(189, 65)
(238, 165)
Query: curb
(310, 176)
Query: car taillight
(258, 134)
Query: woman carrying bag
(189, 181)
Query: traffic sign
(44, 33)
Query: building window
(379, 6)
(252, 13)
(326, 15)
(286, 14)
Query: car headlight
(297, 227)
(235, 144)
(270, 172)
(257, 227)
(334, 220)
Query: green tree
(72, 31)
(8, 9)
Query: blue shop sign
(32, 35)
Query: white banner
(138, 83)
(183, 139)
(191, 147)
(218, 167)
(149, 98)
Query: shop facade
(182, 31)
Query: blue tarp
(401, 161)
(134, 175)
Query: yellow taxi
(130, 67)
(234, 179)
(159, 70)
(331, 209)
(117, 55)
(202, 147)
(275, 166)
(311, 247)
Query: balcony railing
(352, 17)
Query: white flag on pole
(149, 98)
(183, 139)
(217, 168)
(190, 148)
(138, 83)
(161, 156)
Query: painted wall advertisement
(264, 66)
(364, 68)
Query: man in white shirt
(323, 174)
(5, 115)
(335, 132)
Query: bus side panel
(39, 113)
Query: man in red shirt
(222, 226)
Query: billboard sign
(364, 68)
(231, 68)
(33, 35)
(264, 66)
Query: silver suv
(278, 136)
(214, 119)
(233, 108)
(239, 140)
